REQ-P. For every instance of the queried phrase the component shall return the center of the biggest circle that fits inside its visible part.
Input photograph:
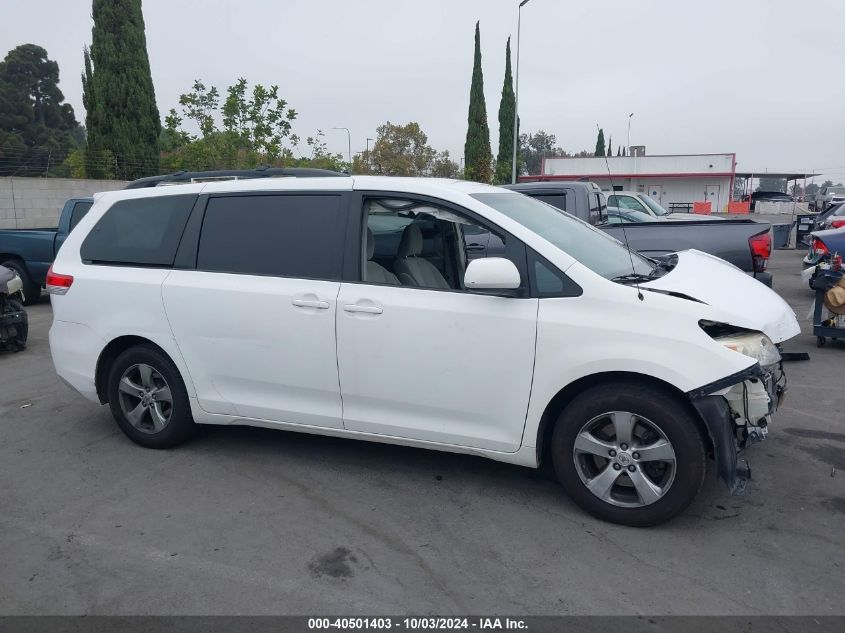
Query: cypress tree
(477, 154)
(123, 117)
(507, 106)
(609, 146)
(619, 150)
(600, 144)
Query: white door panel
(258, 346)
(439, 366)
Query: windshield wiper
(632, 278)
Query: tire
(161, 423)
(658, 418)
(31, 290)
(18, 344)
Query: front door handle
(309, 303)
(354, 307)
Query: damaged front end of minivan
(737, 409)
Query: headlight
(754, 344)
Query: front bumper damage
(737, 411)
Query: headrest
(411, 243)
(371, 244)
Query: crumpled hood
(747, 302)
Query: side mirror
(491, 273)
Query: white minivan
(360, 307)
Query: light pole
(367, 159)
(516, 91)
(630, 116)
(349, 143)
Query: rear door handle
(310, 303)
(354, 307)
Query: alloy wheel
(624, 459)
(145, 398)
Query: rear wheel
(148, 398)
(629, 454)
(31, 290)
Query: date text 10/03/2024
(416, 624)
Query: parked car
(638, 201)
(615, 215)
(823, 246)
(821, 217)
(745, 243)
(827, 196)
(289, 303)
(835, 219)
(29, 252)
(766, 196)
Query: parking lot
(257, 521)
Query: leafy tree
(533, 148)
(507, 107)
(600, 144)
(122, 116)
(444, 167)
(248, 129)
(812, 189)
(37, 129)
(403, 150)
(477, 154)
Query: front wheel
(629, 454)
(148, 399)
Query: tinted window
(144, 231)
(548, 281)
(80, 210)
(282, 235)
(556, 200)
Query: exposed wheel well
(110, 352)
(566, 395)
(5, 257)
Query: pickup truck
(31, 251)
(747, 244)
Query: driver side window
(419, 244)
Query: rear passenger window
(80, 210)
(144, 231)
(557, 200)
(280, 235)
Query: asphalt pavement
(256, 521)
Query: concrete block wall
(30, 203)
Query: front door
(655, 192)
(712, 195)
(255, 321)
(423, 358)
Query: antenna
(622, 224)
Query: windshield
(836, 190)
(651, 204)
(593, 248)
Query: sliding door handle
(354, 307)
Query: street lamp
(367, 158)
(516, 92)
(630, 116)
(349, 143)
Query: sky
(762, 78)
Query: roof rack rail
(183, 177)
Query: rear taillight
(819, 247)
(761, 250)
(837, 224)
(58, 284)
